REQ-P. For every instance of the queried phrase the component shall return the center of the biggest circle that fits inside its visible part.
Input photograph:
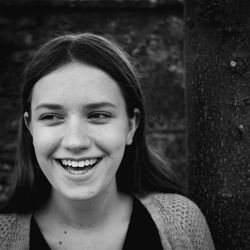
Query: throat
(101, 231)
(87, 213)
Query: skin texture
(79, 113)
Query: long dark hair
(141, 171)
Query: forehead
(74, 83)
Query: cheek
(44, 141)
(112, 139)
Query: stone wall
(152, 33)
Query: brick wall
(151, 31)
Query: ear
(133, 125)
(26, 118)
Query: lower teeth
(78, 170)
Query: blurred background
(151, 31)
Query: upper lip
(77, 159)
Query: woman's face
(80, 128)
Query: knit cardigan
(180, 223)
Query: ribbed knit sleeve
(14, 232)
(180, 222)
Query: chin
(81, 195)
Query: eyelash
(91, 116)
(49, 117)
(96, 115)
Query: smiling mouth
(78, 167)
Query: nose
(76, 136)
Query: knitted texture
(14, 231)
(180, 223)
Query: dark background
(150, 31)
(217, 63)
(208, 110)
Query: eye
(51, 117)
(99, 116)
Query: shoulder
(177, 217)
(14, 230)
(165, 199)
(177, 207)
(7, 223)
(174, 204)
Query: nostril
(76, 142)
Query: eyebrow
(49, 106)
(100, 105)
(89, 106)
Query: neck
(85, 214)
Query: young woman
(85, 177)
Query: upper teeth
(80, 164)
